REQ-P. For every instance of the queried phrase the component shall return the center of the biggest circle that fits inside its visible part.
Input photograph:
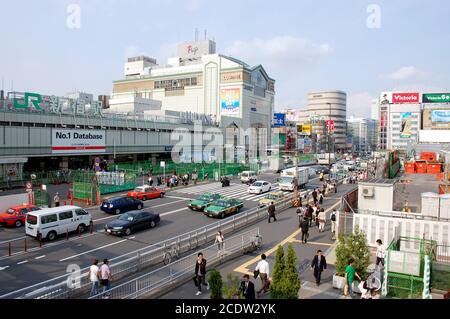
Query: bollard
(91, 226)
(40, 240)
(65, 203)
(67, 234)
(26, 246)
(9, 249)
(79, 232)
(71, 201)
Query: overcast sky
(304, 44)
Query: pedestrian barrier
(164, 279)
(125, 265)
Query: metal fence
(164, 278)
(125, 265)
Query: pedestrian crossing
(237, 191)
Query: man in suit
(271, 212)
(318, 264)
(247, 288)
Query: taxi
(16, 215)
(146, 192)
(203, 201)
(271, 197)
(224, 206)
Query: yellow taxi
(271, 197)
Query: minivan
(248, 177)
(50, 222)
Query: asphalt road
(40, 264)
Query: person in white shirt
(219, 241)
(322, 219)
(380, 252)
(263, 268)
(94, 278)
(333, 217)
(106, 277)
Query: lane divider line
(95, 249)
(22, 262)
(39, 257)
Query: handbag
(255, 274)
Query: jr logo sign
(34, 98)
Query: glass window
(24, 211)
(81, 212)
(65, 215)
(49, 219)
(31, 219)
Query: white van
(51, 222)
(248, 177)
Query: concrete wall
(12, 200)
(383, 199)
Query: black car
(121, 204)
(322, 169)
(132, 221)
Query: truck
(287, 180)
(326, 158)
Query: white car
(259, 187)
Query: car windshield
(205, 197)
(222, 203)
(257, 184)
(10, 211)
(127, 217)
(31, 219)
(272, 196)
(139, 189)
(286, 179)
(244, 175)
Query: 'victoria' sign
(405, 98)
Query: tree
(215, 284)
(231, 287)
(291, 284)
(353, 246)
(278, 273)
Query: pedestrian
(56, 199)
(206, 176)
(350, 273)
(106, 277)
(219, 241)
(305, 230)
(380, 253)
(262, 268)
(318, 265)
(314, 195)
(321, 199)
(322, 217)
(194, 177)
(335, 187)
(200, 273)
(271, 212)
(321, 176)
(310, 215)
(150, 181)
(94, 278)
(314, 214)
(247, 288)
(333, 221)
(158, 181)
(301, 215)
(324, 188)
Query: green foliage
(285, 281)
(353, 246)
(215, 284)
(231, 287)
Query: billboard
(230, 101)
(78, 141)
(279, 119)
(399, 98)
(436, 98)
(440, 116)
(406, 127)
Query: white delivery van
(248, 176)
(287, 180)
(51, 222)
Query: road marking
(22, 262)
(176, 197)
(95, 249)
(173, 212)
(3, 268)
(310, 242)
(244, 267)
(40, 257)
(132, 237)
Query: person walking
(321, 176)
(350, 273)
(150, 181)
(94, 278)
(194, 177)
(333, 221)
(56, 199)
(322, 217)
(305, 230)
(318, 265)
(271, 212)
(381, 250)
(321, 198)
(263, 269)
(314, 195)
(200, 273)
(335, 187)
(310, 215)
(219, 241)
(106, 277)
(247, 288)
(300, 215)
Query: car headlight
(111, 205)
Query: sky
(357, 46)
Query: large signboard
(230, 101)
(78, 141)
(399, 98)
(279, 119)
(436, 98)
(406, 127)
(440, 116)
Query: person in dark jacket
(318, 264)
(305, 230)
(271, 212)
(314, 195)
(200, 273)
(247, 288)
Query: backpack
(333, 217)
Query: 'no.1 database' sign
(78, 141)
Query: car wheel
(144, 198)
(261, 191)
(18, 223)
(128, 231)
(117, 211)
(152, 224)
(51, 236)
(161, 195)
(139, 207)
(81, 228)
(222, 215)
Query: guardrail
(62, 287)
(165, 278)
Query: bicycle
(169, 253)
(257, 242)
(374, 278)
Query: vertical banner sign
(406, 128)
(279, 119)
(230, 101)
(78, 141)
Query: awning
(13, 160)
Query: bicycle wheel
(167, 258)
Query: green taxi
(271, 197)
(203, 201)
(222, 207)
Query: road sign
(330, 125)
(163, 164)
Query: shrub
(285, 281)
(231, 287)
(278, 273)
(215, 284)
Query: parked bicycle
(170, 253)
(257, 242)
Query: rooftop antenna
(196, 34)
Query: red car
(16, 215)
(146, 192)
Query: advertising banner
(230, 100)
(279, 119)
(440, 116)
(406, 128)
(405, 98)
(306, 128)
(436, 98)
(78, 141)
